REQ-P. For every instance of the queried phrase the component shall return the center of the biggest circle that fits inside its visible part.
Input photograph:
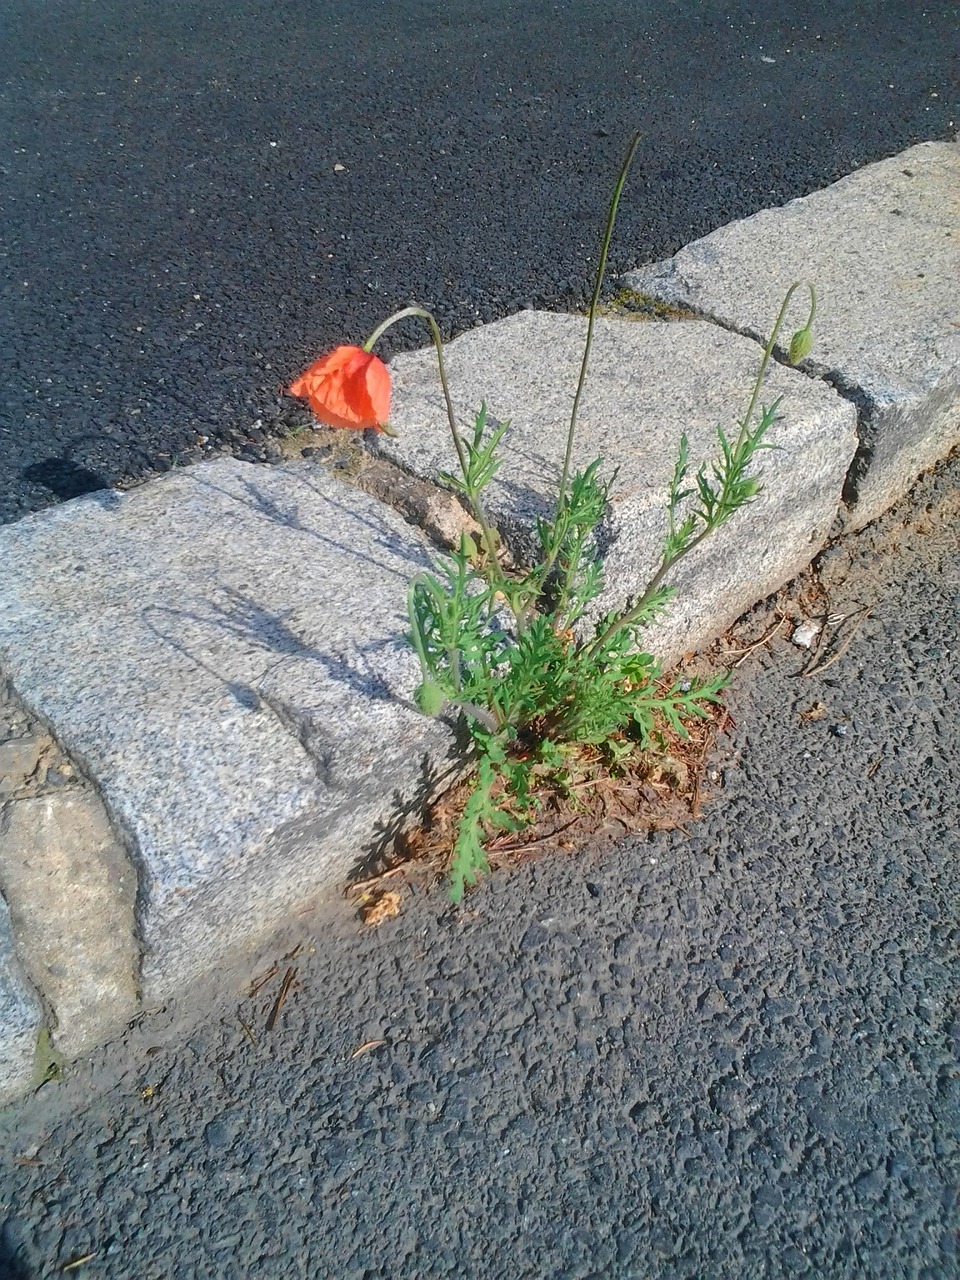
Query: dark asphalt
(177, 241)
(727, 1055)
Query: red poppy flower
(349, 387)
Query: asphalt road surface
(726, 1054)
(196, 199)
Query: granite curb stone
(21, 1018)
(220, 653)
(648, 383)
(882, 248)
(70, 890)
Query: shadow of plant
(407, 810)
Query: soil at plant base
(593, 801)
(730, 1053)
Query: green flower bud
(429, 698)
(801, 344)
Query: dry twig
(258, 984)
(285, 986)
(875, 766)
(518, 847)
(768, 635)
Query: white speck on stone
(806, 634)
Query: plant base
(594, 804)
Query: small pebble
(805, 635)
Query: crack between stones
(436, 512)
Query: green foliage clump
(514, 652)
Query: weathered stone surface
(882, 248)
(436, 511)
(220, 651)
(647, 384)
(70, 889)
(31, 762)
(21, 1018)
(19, 758)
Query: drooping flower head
(349, 387)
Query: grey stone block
(21, 1019)
(70, 889)
(220, 652)
(647, 384)
(882, 248)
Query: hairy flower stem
(486, 531)
(637, 610)
(768, 349)
(594, 303)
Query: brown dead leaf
(596, 799)
(383, 907)
(815, 712)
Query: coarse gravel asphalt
(721, 1054)
(197, 199)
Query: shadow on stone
(384, 848)
(65, 479)
(249, 621)
(288, 516)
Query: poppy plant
(564, 689)
(350, 387)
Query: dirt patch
(594, 798)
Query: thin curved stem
(594, 302)
(668, 563)
(423, 314)
(637, 611)
(768, 349)
(486, 531)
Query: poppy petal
(349, 387)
